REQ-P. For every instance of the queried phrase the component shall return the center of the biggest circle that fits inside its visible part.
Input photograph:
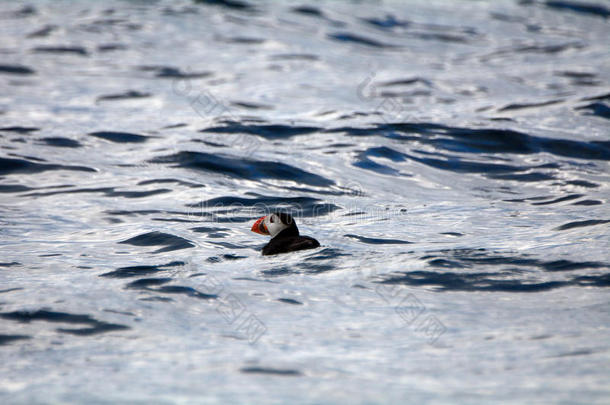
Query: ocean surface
(452, 158)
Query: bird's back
(289, 244)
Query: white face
(274, 225)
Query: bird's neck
(291, 231)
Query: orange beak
(260, 227)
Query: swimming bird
(284, 234)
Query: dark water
(452, 158)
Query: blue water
(452, 158)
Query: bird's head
(273, 224)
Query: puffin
(284, 234)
